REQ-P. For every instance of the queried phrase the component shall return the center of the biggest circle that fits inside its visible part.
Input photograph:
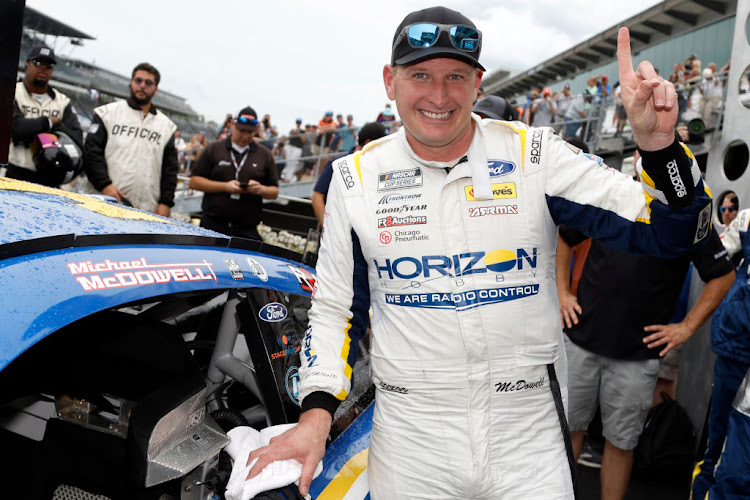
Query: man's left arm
(70, 125)
(672, 213)
(675, 334)
(717, 271)
(170, 166)
(24, 129)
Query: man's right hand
(305, 443)
(112, 191)
(569, 309)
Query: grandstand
(89, 85)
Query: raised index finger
(624, 58)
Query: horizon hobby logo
(500, 191)
(496, 261)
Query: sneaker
(590, 457)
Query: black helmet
(58, 159)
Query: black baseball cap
(494, 107)
(246, 119)
(41, 52)
(403, 53)
(370, 132)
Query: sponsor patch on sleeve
(704, 224)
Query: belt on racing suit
(557, 396)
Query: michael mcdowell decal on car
(117, 274)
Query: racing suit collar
(49, 90)
(133, 105)
(476, 158)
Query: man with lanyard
(130, 152)
(236, 175)
(467, 346)
(38, 108)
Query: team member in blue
(447, 231)
(730, 340)
(732, 473)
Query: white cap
(707, 72)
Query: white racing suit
(465, 317)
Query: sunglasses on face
(140, 81)
(727, 209)
(425, 35)
(46, 64)
(247, 120)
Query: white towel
(275, 475)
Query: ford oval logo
(500, 167)
(272, 312)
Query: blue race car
(132, 343)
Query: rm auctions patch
(400, 179)
(499, 191)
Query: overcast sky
(293, 58)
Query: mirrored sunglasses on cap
(425, 35)
(247, 120)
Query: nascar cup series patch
(400, 179)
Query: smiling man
(447, 231)
(38, 108)
(130, 153)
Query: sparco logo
(674, 176)
(393, 388)
(520, 385)
(396, 198)
(346, 174)
(536, 146)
